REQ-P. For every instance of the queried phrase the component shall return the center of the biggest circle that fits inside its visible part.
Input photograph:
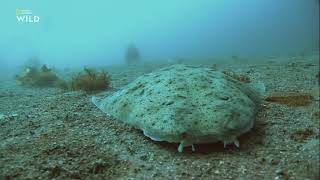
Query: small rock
(99, 166)
(262, 160)
(13, 115)
(279, 171)
(274, 161)
(144, 157)
(283, 173)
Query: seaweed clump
(291, 98)
(132, 55)
(37, 77)
(90, 80)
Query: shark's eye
(184, 135)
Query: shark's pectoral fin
(181, 146)
(233, 141)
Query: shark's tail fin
(256, 91)
(259, 87)
(96, 102)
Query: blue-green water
(75, 33)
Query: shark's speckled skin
(185, 105)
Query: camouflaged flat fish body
(186, 105)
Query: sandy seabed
(50, 133)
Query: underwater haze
(159, 89)
(76, 33)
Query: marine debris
(239, 77)
(186, 105)
(90, 80)
(33, 76)
(291, 98)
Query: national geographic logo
(26, 16)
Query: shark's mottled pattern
(185, 105)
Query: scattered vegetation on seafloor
(90, 80)
(32, 62)
(239, 77)
(132, 55)
(214, 67)
(34, 76)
